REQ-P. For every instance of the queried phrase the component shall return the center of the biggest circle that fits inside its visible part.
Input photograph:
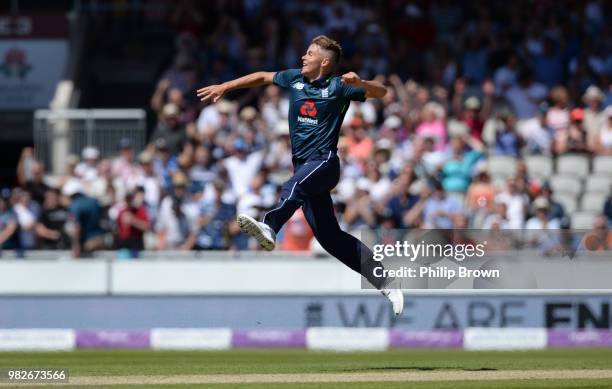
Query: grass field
(576, 368)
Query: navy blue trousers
(310, 188)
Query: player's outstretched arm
(374, 89)
(215, 92)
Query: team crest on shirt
(298, 86)
(325, 93)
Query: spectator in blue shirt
(439, 209)
(212, 230)
(457, 171)
(85, 214)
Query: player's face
(311, 61)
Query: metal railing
(59, 133)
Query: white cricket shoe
(397, 299)
(263, 234)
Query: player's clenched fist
(211, 93)
(351, 78)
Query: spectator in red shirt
(132, 223)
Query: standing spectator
(9, 227)
(170, 129)
(30, 175)
(51, 226)
(132, 223)
(85, 215)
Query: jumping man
(318, 103)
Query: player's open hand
(211, 93)
(351, 78)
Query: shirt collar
(321, 82)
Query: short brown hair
(329, 44)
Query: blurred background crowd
(497, 116)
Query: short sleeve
(352, 92)
(284, 78)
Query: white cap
(90, 152)
(363, 184)
(393, 122)
(72, 187)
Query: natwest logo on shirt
(308, 113)
(308, 109)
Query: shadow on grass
(417, 368)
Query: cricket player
(318, 102)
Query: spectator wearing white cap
(537, 225)
(87, 169)
(594, 117)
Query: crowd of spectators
(465, 82)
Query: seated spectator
(212, 227)
(516, 202)
(555, 209)
(51, 226)
(432, 125)
(85, 215)
(603, 142)
(9, 227)
(242, 166)
(594, 117)
(540, 222)
(480, 195)
(607, 208)
(403, 198)
(497, 219)
(358, 212)
(600, 237)
(573, 139)
(164, 164)
(507, 139)
(132, 223)
(87, 170)
(360, 144)
(175, 218)
(297, 233)
(457, 171)
(563, 242)
(439, 209)
(558, 116)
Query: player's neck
(322, 74)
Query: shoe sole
(249, 226)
